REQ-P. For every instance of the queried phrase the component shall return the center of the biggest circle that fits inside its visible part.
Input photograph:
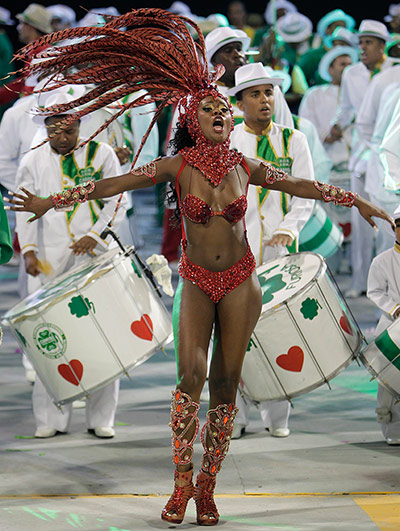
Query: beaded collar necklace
(214, 160)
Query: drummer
(273, 219)
(66, 239)
(383, 290)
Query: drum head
(76, 277)
(284, 277)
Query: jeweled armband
(149, 169)
(272, 174)
(65, 200)
(337, 195)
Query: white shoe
(238, 431)
(30, 375)
(279, 432)
(45, 433)
(392, 441)
(78, 404)
(102, 432)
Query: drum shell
(291, 354)
(108, 322)
(320, 234)
(382, 358)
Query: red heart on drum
(293, 360)
(71, 372)
(345, 324)
(143, 328)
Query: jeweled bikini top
(198, 211)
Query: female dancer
(217, 265)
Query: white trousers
(388, 410)
(362, 239)
(100, 408)
(274, 414)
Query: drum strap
(267, 152)
(70, 171)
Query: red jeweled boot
(185, 426)
(215, 437)
(207, 512)
(175, 509)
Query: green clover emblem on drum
(80, 306)
(309, 308)
(50, 340)
(270, 286)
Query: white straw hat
(5, 17)
(251, 75)
(374, 28)
(329, 57)
(344, 35)
(394, 11)
(294, 27)
(63, 12)
(36, 16)
(334, 16)
(275, 5)
(219, 37)
(66, 94)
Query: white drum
(382, 358)
(90, 326)
(320, 234)
(305, 335)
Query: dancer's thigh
(237, 315)
(193, 317)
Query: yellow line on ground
(385, 513)
(359, 495)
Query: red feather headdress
(145, 49)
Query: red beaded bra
(198, 211)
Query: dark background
(314, 10)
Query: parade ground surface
(334, 471)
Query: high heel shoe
(175, 509)
(207, 512)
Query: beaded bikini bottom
(217, 284)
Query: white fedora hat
(334, 16)
(64, 13)
(60, 96)
(219, 37)
(374, 28)
(273, 6)
(250, 75)
(5, 17)
(329, 57)
(36, 16)
(344, 35)
(294, 27)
